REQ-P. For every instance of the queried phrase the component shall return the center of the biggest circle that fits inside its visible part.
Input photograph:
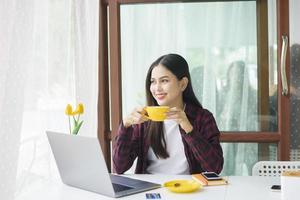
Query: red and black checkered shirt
(202, 146)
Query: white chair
(274, 168)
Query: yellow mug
(157, 113)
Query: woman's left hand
(180, 117)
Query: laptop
(81, 164)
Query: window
(232, 50)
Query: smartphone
(211, 176)
(276, 187)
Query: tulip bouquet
(76, 117)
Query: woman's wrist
(126, 122)
(187, 127)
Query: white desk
(239, 187)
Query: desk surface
(239, 187)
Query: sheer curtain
(295, 82)
(215, 38)
(48, 58)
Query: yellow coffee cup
(157, 113)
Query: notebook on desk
(81, 164)
(203, 181)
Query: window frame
(110, 88)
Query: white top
(176, 163)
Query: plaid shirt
(202, 146)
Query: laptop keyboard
(119, 188)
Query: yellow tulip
(79, 109)
(69, 110)
(77, 124)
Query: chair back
(274, 168)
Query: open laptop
(81, 164)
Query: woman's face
(165, 87)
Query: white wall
(294, 23)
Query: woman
(186, 142)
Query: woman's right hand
(136, 117)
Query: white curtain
(295, 81)
(218, 39)
(48, 58)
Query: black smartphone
(276, 187)
(211, 176)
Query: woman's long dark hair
(179, 67)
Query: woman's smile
(160, 96)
